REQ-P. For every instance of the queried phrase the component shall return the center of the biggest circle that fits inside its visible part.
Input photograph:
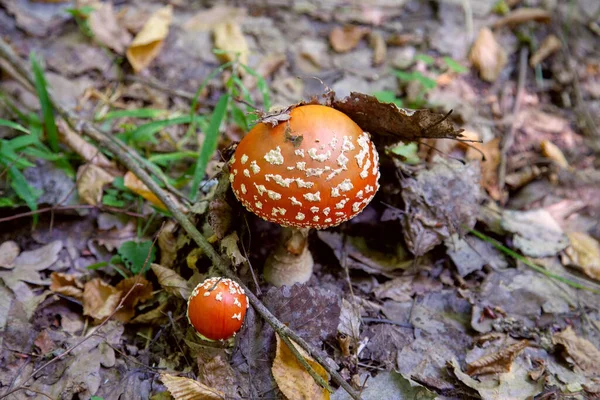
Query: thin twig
(124, 154)
(509, 138)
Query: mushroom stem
(291, 262)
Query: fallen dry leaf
(579, 352)
(138, 187)
(188, 389)
(377, 42)
(83, 148)
(100, 299)
(67, 285)
(549, 46)
(106, 29)
(488, 56)
(554, 153)
(229, 244)
(497, 362)
(489, 166)
(167, 243)
(149, 41)
(537, 234)
(230, 39)
(217, 372)
(90, 181)
(206, 20)
(522, 15)
(291, 377)
(584, 252)
(346, 38)
(44, 342)
(9, 251)
(156, 316)
(171, 281)
(141, 291)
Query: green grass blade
(23, 189)
(137, 113)
(164, 159)
(210, 143)
(13, 125)
(261, 85)
(144, 133)
(47, 109)
(530, 264)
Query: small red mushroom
(217, 308)
(315, 170)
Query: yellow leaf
(138, 187)
(229, 38)
(585, 253)
(293, 379)
(148, 42)
(554, 153)
(90, 180)
(189, 389)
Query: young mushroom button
(315, 170)
(217, 308)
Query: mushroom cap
(316, 170)
(217, 308)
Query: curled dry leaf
(489, 166)
(579, 352)
(106, 29)
(554, 153)
(149, 41)
(141, 291)
(230, 39)
(229, 244)
(549, 46)
(90, 181)
(100, 299)
(346, 38)
(167, 243)
(9, 251)
(83, 148)
(292, 378)
(497, 362)
(188, 389)
(138, 187)
(156, 316)
(522, 15)
(394, 123)
(171, 281)
(350, 320)
(488, 56)
(67, 285)
(584, 252)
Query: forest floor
(473, 273)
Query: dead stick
(124, 154)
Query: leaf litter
(405, 280)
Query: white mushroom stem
(291, 262)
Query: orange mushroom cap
(316, 170)
(217, 308)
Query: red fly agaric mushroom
(315, 170)
(217, 308)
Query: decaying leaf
(206, 20)
(388, 385)
(377, 42)
(149, 41)
(439, 202)
(155, 316)
(217, 372)
(470, 254)
(584, 252)
(66, 284)
(522, 15)
(230, 39)
(90, 181)
(346, 38)
(134, 184)
(103, 23)
(28, 264)
(350, 320)
(393, 123)
(138, 290)
(579, 352)
(220, 215)
(100, 299)
(229, 245)
(488, 56)
(9, 251)
(549, 46)
(44, 342)
(167, 243)
(292, 378)
(489, 166)
(83, 148)
(171, 281)
(497, 362)
(188, 389)
(536, 233)
(554, 153)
